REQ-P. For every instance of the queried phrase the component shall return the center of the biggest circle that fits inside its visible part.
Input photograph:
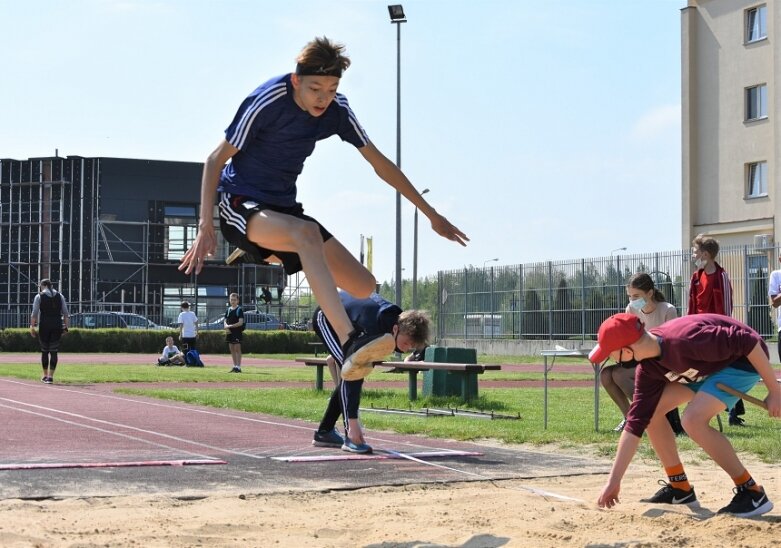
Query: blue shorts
(734, 378)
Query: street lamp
(415, 258)
(489, 261)
(618, 274)
(397, 17)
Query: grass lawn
(570, 410)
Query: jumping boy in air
(682, 361)
(275, 129)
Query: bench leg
(319, 378)
(413, 385)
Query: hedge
(142, 341)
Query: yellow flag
(369, 255)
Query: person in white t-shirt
(774, 292)
(188, 327)
(647, 303)
(170, 354)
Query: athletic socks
(746, 481)
(677, 477)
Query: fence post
(492, 303)
(583, 299)
(521, 301)
(550, 300)
(466, 305)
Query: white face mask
(700, 263)
(637, 304)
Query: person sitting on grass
(408, 330)
(171, 354)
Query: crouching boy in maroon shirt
(680, 362)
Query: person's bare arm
(388, 172)
(206, 241)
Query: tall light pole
(397, 17)
(415, 258)
(490, 261)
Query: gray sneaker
(327, 439)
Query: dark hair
(322, 56)
(708, 244)
(644, 282)
(47, 283)
(185, 304)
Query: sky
(545, 130)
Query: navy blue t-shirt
(374, 315)
(275, 136)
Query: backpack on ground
(193, 358)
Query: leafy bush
(143, 341)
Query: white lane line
(533, 490)
(188, 407)
(120, 425)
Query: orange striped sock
(677, 477)
(745, 480)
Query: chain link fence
(568, 300)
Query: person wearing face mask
(647, 303)
(683, 362)
(710, 292)
(409, 330)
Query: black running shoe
(362, 350)
(736, 421)
(670, 495)
(747, 503)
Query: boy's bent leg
(348, 272)
(280, 232)
(696, 421)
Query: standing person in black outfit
(50, 317)
(373, 316)
(234, 327)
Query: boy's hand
(203, 246)
(609, 495)
(773, 402)
(444, 228)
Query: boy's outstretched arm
(206, 241)
(388, 172)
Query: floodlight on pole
(490, 261)
(415, 257)
(397, 17)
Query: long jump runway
(61, 441)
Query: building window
(180, 230)
(756, 180)
(756, 24)
(756, 102)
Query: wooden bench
(467, 372)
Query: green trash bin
(450, 383)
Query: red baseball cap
(616, 332)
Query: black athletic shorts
(235, 212)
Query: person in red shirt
(682, 361)
(710, 292)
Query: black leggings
(49, 360)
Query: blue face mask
(637, 304)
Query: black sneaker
(736, 421)
(328, 439)
(236, 369)
(670, 495)
(747, 503)
(362, 350)
(44, 379)
(49, 380)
